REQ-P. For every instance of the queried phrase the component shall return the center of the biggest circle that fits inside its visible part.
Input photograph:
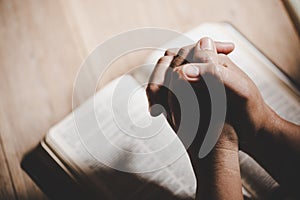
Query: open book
(94, 153)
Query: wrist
(226, 147)
(228, 140)
(218, 168)
(269, 127)
(271, 121)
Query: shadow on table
(57, 184)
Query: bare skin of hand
(220, 167)
(246, 108)
(272, 141)
(218, 174)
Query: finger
(224, 47)
(183, 56)
(192, 72)
(205, 51)
(157, 87)
(171, 52)
(158, 75)
(228, 63)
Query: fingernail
(191, 71)
(207, 44)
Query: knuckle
(165, 60)
(183, 51)
(161, 60)
(152, 88)
(205, 57)
(169, 52)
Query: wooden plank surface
(39, 59)
(265, 23)
(44, 42)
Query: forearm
(225, 182)
(276, 148)
(218, 174)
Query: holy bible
(75, 160)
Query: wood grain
(265, 23)
(39, 60)
(44, 42)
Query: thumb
(205, 51)
(192, 72)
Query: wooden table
(44, 42)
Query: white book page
(91, 156)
